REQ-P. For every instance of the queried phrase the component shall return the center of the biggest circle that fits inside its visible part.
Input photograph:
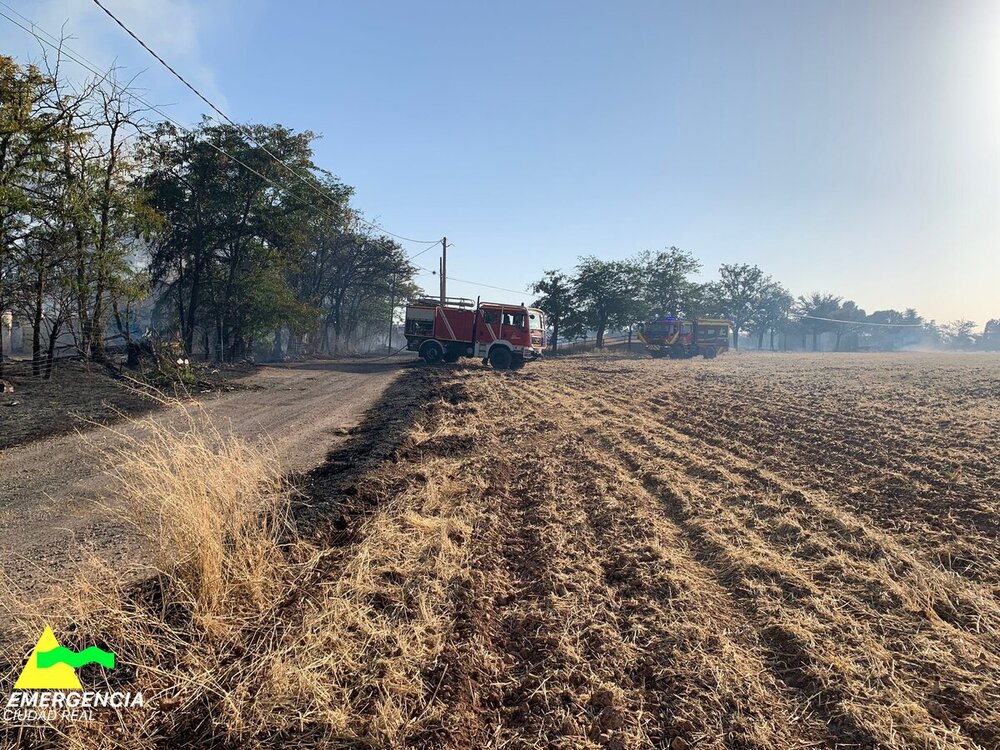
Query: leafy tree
(228, 228)
(32, 121)
(738, 292)
(850, 313)
(895, 328)
(608, 294)
(555, 300)
(815, 311)
(770, 311)
(668, 290)
(991, 335)
(960, 334)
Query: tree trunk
(760, 339)
(36, 336)
(53, 335)
(97, 325)
(220, 347)
(132, 360)
(276, 352)
(555, 335)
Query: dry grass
(248, 635)
(772, 552)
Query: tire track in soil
(712, 549)
(915, 479)
(887, 492)
(657, 597)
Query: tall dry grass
(245, 635)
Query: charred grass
(752, 552)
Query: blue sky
(849, 147)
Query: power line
(477, 283)
(861, 322)
(64, 50)
(429, 247)
(490, 286)
(246, 131)
(90, 66)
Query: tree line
(113, 225)
(599, 296)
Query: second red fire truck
(506, 336)
(679, 339)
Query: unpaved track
(48, 488)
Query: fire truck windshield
(535, 321)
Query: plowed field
(766, 552)
(752, 552)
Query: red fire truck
(506, 336)
(678, 339)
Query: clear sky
(843, 146)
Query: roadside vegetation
(121, 235)
(620, 295)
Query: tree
(738, 292)
(111, 218)
(608, 294)
(895, 328)
(815, 312)
(668, 290)
(991, 335)
(233, 230)
(850, 313)
(960, 334)
(228, 228)
(555, 300)
(33, 120)
(770, 311)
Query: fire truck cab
(679, 339)
(505, 336)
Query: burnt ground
(80, 395)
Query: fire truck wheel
(517, 363)
(500, 358)
(710, 353)
(677, 351)
(431, 352)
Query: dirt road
(48, 488)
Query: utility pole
(392, 310)
(444, 268)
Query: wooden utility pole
(444, 268)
